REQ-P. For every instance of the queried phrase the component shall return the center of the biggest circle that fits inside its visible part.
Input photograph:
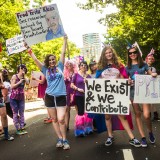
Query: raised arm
(62, 58)
(33, 56)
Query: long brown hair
(103, 62)
(139, 58)
(46, 60)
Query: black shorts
(52, 101)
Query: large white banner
(107, 96)
(15, 45)
(40, 24)
(147, 89)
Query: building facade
(91, 46)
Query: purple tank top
(18, 92)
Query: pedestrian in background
(3, 114)
(42, 85)
(70, 68)
(93, 69)
(55, 98)
(17, 98)
(150, 60)
(7, 92)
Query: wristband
(30, 51)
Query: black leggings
(79, 101)
(9, 110)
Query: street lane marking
(127, 153)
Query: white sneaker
(59, 143)
(66, 145)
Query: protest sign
(147, 89)
(15, 45)
(35, 74)
(107, 96)
(40, 24)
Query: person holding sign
(110, 67)
(136, 65)
(55, 97)
(150, 60)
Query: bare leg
(126, 125)
(67, 117)
(146, 114)
(137, 112)
(109, 125)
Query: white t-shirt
(7, 85)
(110, 73)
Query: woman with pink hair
(70, 68)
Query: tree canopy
(9, 28)
(137, 20)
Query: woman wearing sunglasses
(17, 98)
(136, 65)
(83, 124)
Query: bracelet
(30, 51)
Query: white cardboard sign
(107, 96)
(147, 89)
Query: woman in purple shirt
(70, 68)
(83, 124)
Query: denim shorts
(2, 105)
(52, 101)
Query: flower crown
(134, 45)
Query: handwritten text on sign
(107, 96)
(15, 44)
(33, 23)
(147, 89)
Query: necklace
(83, 74)
(52, 72)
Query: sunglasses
(83, 65)
(135, 52)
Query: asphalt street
(39, 143)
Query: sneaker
(156, 119)
(152, 138)
(144, 142)
(109, 141)
(23, 130)
(49, 120)
(19, 132)
(9, 138)
(66, 145)
(135, 142)
(59, 143)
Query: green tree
(136, 20)
(9, 28)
